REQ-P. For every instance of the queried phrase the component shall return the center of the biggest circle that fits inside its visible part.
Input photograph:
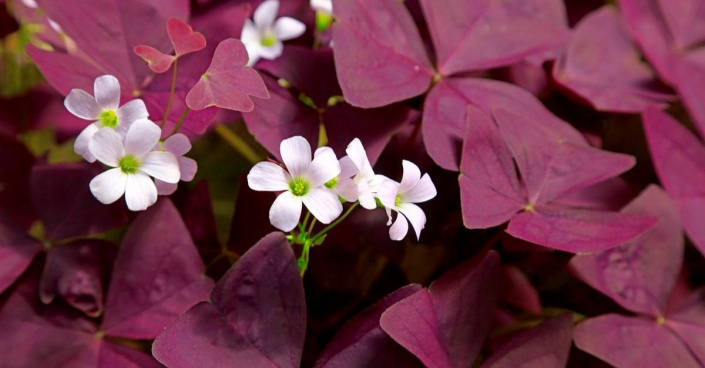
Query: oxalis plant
(352, 183)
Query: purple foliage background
(565, 138)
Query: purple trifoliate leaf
(689, 81)
(17, 250)
(517, 291)
(688, 322)
(14, 181)
(257, 316)
(158, 275)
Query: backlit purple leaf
(17, 250)
(380, 57)
(157, 61)
(158, 275)
(640, 274)
(546, 345)
(257, 316)
(601, 65)
(183, 38)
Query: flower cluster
(322, 183)
(123, 138)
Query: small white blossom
(366, 181)
(302, 183)
(104, 110)
(263, 37)
(342, 184)
(400, 197)
(133, 161)
(178, 145)
(324, 6)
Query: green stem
(181, 120)
(310, 228)
(171, 94)
(303, 224)
(334, 224)
(238, 144)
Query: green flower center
(323, 21)
(330, 184)
(268, 39)
(397, 201)
(108, 118)
(299, 187)
(129, 164)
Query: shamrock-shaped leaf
(17, 250)
(183, 39)
(229, 82)
(157, 61)
(257, 316)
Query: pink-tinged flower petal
(266, 13)
(348, 169)
(184, 39)
(365, 195)
(632, 342)
(253, 53)
(106, 146)
(228, 83)
(347, 189)
(603, 66)
(164, 188)
(188, 168)
(82, 104)
(107, 92)
(387, 193)
(109, 186)
(381, 58)
(410, 177)
(324, 166)
(129, 113)
(323, 204)
(269, 177)
(161, 165)
(250, 34)
(285, 211)
(577, 230)
(415, 215)
(157, 61)
(399, 229)
(296, 154)
(178, 144)
(288, 28)
(80, 146)
(140, 192)
(423, 191)
(325, 6)
(269, 52)
(142, 137)
(356, 153)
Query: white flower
(301, 184)
(263, 37)
(401, 197)
(178, 145)
(104, 110)
(342, 184)
(133, 161)
(366, 181)
(324, 6)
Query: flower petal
(288, 28)
(268, 177)
(296, 154)
(142, 136)
(422, 191)
(399, 229)
(106, 89)
(164, 188)
(266, 13)
(129, 113)
(140, 192)
(82, 141)
(161, 165)
(387, 193)
(325, 6)
(415, 215)
(188, 168)
(365, 196)
(323, 204)
(324, 167)
(285, 212)
(347, 189)
(253, 53)
(411, 176)
(106, 146)
(109, 186)
(357, 154)
(271, 52)
(81, 104)
(178, 144)
(347, 167)
(250, 34)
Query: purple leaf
(361, 341)
(688, 322)
(257, 316)
(65, 204)
(157, 61)
(601, 65)
(17, 250)
(546, 345)
(380, 57)
(78, 273)
(517, 291)
(679, 159)
(228, 83)
(14, 181)
(689, 79)
(247, 226)
(183, 38)
(158, 275)
(446, 325)
(640, 274)
(475, 35)
(627, 342)
(200, 220)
